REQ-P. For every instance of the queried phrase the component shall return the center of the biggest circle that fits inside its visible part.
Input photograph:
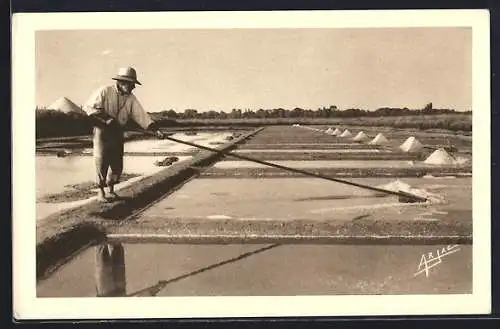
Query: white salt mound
(411, 145)
(336, 132)
(361, 136)
(346, 133)
(329, 130)
(441, 157)
(396, 185)
(65, 105)
(399, 185)
(379, 140)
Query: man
(110, 107)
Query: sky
(222, 69)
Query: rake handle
(307, 173)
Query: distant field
(453, 122)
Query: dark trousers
(108, 155)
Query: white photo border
(27, 306)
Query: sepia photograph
(251, 164)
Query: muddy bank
(181, 230)
(329, 156)
(61, 247)
(55, 234)
(86, 152)
(336, 172)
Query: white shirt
(108, 100)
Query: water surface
(269, 270)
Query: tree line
(51, 123)
(323, 112)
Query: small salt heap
(346, 133)
(329, 131)
(411, 145)
(336, 132)
(399, 185)
(360, 137)
(396, 185)
(441, 157)
(379, 140)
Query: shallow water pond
(261, 270)
(309, 198)
(53, 173)
(155, 145)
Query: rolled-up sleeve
(95, 103)
(139, 115)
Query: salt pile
(346, 133)
(65, 105)
(396, 185)
(361, 136)
(399, 185)
(329, 130)
(440, 157)
(379, 140)
(336, 132)
(411, 145)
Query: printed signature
(429, 260)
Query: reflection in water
(110, 278)
(164, 269)
(110, 270)
(156, 288)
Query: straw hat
(127, 74)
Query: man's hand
(112, 124)
(99, 121)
